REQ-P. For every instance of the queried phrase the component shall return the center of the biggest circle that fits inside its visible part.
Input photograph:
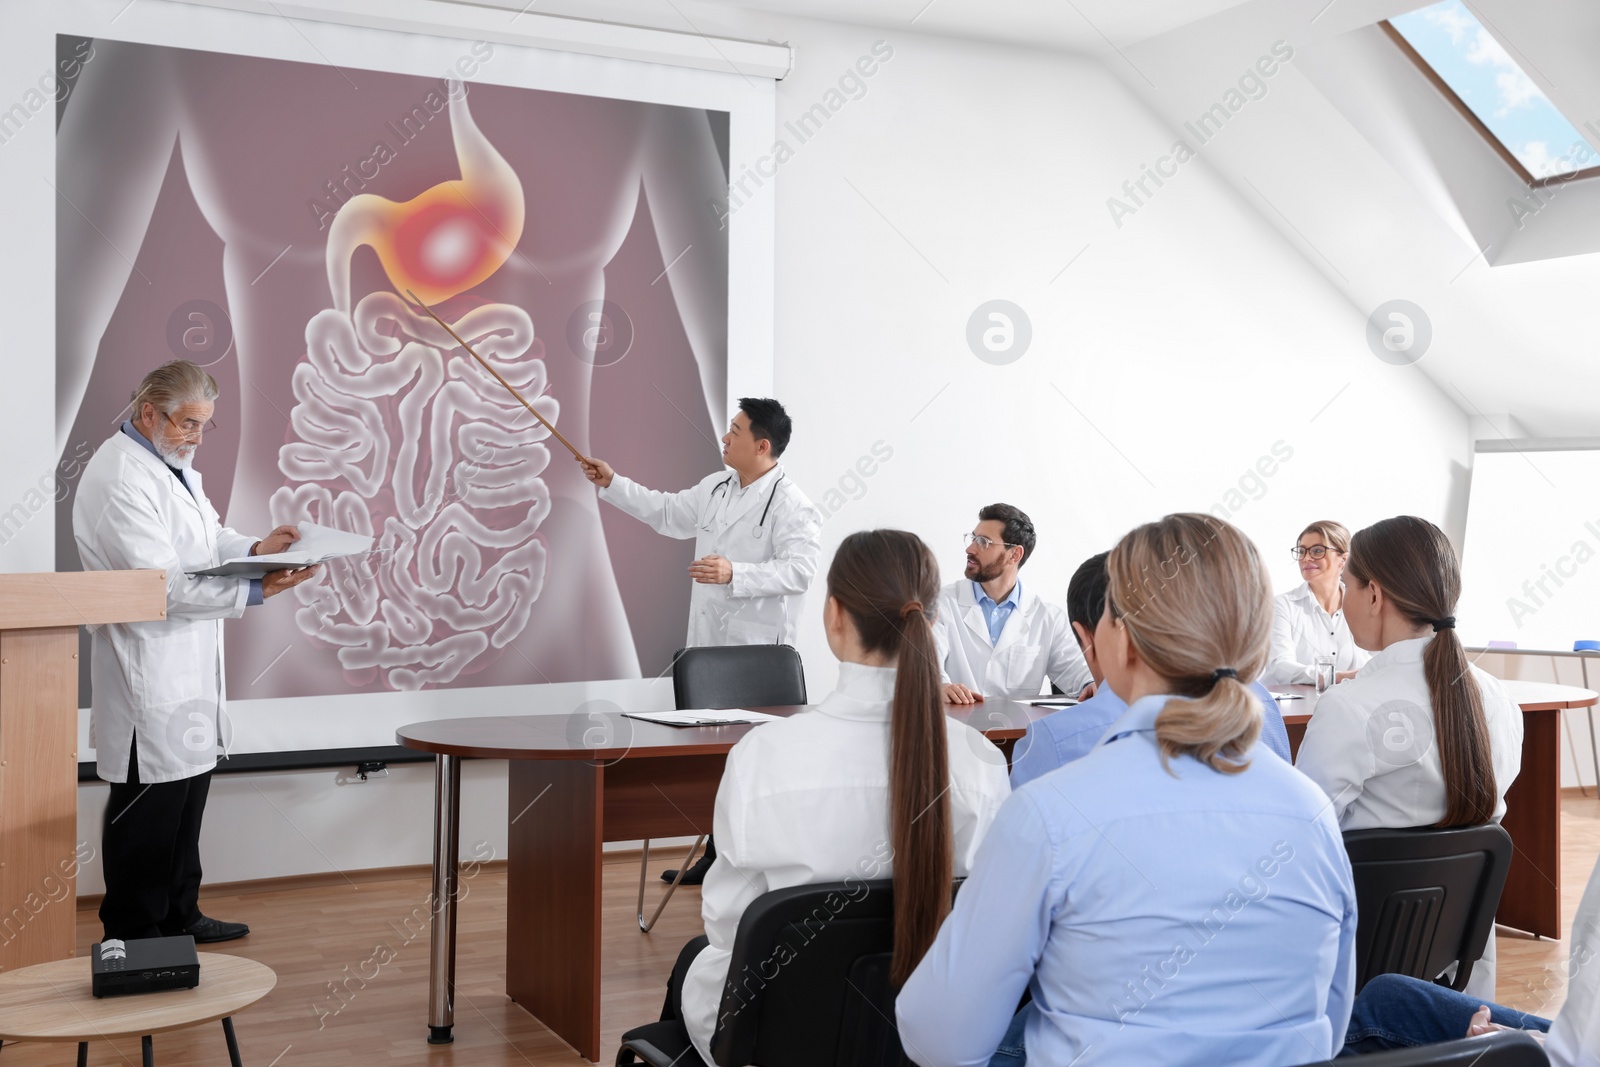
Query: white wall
(1190, 341)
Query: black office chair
(1426, 899)
(818, 992)
(737, 676)
(726, 676)
(1508, 1048)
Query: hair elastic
(1223, 672)
(1446, 623)
(912, 607)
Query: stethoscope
(723, 485)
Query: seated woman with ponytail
(874, 780)
(1420, 737)
(1179, 895)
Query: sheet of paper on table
(703, 717)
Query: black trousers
(673, 1008)
(150, 852)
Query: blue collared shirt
(1172, 915)
(257, 595)
(1069, 734)
(995, 615)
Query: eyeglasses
(985, 543)
(1315, 551)
(191, 428)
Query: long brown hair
(1195, 598)
(1411, 560)
(888, 583)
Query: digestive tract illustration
(398, 434)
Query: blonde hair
(1334, 534)
(1195, 598)
(172, 385)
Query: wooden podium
(39, 619)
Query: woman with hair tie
(1177, 896)
(1308, 621)
(875, 779)
(1421, 737)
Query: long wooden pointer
(509, 387)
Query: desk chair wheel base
(440, 1035)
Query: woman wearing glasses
(1308, 623)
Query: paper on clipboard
(317, 544)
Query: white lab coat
(806, 799)
(1036, 643)
(1575, 1033)
(1302, 631)
(773, 560)
(1370, 746)
(1370, 743)
(162, 681)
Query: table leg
(553, 896)
(83, 1054)
(1532, 897)
(233, 1042)
(148, 1048)
(446, 881)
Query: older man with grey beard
(157, 701)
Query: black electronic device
(143, 965)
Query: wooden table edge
(103, 1034)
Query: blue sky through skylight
(1492, 83)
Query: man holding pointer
(758, 539)
(757, 536)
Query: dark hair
(1019, 528)
(888, 582)
(1411, 560)
(768, 422)
(1086, 593)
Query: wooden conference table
(577, 781)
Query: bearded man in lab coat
(158, 686)
(995, 637)
(758, 539)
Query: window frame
(1466, 112)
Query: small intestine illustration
(398, 434)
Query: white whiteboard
(1531, 559)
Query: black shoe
(695, 875)
(207, 931)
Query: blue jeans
(1010, 1053)
(1394, 1011)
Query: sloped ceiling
(1351, 155)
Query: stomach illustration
(399, 434)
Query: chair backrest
(737, 676)
(1507, 1048)
(808, 981)
(1426, 898)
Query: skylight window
(1494, 92)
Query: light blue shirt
(1171, 915)
(995, 615)
(257, 594)
(1069, 734)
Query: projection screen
(257, 193)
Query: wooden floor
(352, 964)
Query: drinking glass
(1324, 673)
